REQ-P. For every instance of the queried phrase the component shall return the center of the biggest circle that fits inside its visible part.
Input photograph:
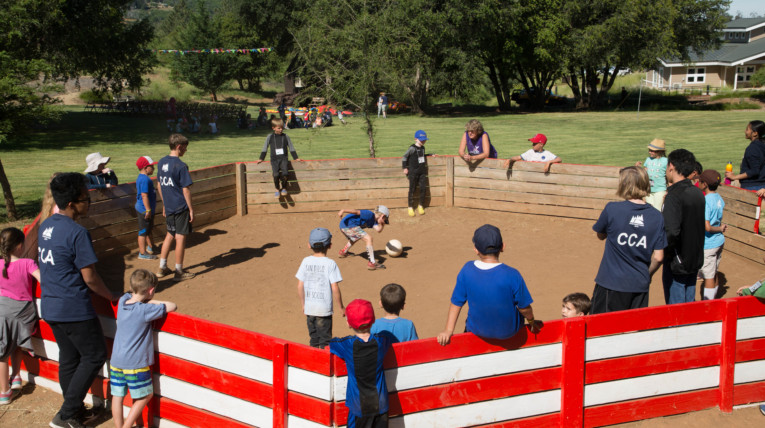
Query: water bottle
(728, 168)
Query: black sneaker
(89, 415)
(57, 422)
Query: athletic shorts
(279, 166)
(138, 381)
(354, 233)
(145, 226)
(178, 223)
(711, 262)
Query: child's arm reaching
(715, 229)
(169, 306)
(451, 322)
(346, 211)
(548, 164)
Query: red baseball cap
(360, 314)
(539, 138)
(144, 161)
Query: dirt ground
(246, 269)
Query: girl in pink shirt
(18, 313)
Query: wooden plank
(449, 201)
(536, 177)
(372, 183)
(122, 190)
(741, 208)
(548, 210)
(739, 221)
(241, 190)
(328, 206)
(329, 164)
(339, 195)
(745, 237)
(220, 184)
(743, 250)
(571, 169)
(549, 189)
(529, 198)
(731, 193)
(213, 183)
(215, 171)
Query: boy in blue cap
(415, 167)
(497, 297)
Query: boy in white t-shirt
(536, 153)
(317, 287)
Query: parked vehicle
(522, 98)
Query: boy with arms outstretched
(133, 351)
(353, 225)
(318, 276)
(174, 182)
(280, 143)
(363, 352)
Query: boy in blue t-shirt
(174, 182)
(133, 351)
(145, 204)
(366, 395)
(714, 239)
(353, 225)
(496, 294)
(392, 300)
(67, 277)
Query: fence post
(728, 354)
(572, 374)
(449, 202)
(280, 386)
(241, 188)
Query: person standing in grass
(656, 166)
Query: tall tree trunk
(503, 101)
(371, 134)
(241, 84)
(214, 96)
(10, 205)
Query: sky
(747, 7)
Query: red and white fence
(587, 371)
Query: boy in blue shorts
(714, 239)
(496, 294)
(353, 225)
(133, 351)
(363, 352)
(145, 204)
(392, 300)
(174, 182)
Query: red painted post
(728, 354)
(280, 384)
(572, 379)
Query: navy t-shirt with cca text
(64, 247)
(173, 175)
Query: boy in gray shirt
(133, 352)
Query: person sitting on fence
(496, 294)
(714, 239)
(392, 301)
(366, 395)
(280, 143)
(536, 153)
(18, 312)
(476, 144)
(133, 351)
(98, 175)
(575, 305)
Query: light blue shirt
(713, 212)
(657, 173)
(402, 329)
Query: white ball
(394, 248)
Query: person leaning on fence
(496, 294)
(98, 175)
(476, 144)
(536, 153)
(279, 143)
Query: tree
(59, 40)
(207, 71)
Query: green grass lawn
(617, 138)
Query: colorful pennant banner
(212, 51)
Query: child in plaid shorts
(133, 351)
(353, 225)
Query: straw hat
(656, 144)
(95, 159)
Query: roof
(728, 54)
(744, 24)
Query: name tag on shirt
(279, 151)
(421, 159)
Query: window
(695, 75)
(744, 74)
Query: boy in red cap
(145, 204)
(536, 153)
(366, 395)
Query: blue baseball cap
(421, 135)
(487, 239)
(320, 235)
